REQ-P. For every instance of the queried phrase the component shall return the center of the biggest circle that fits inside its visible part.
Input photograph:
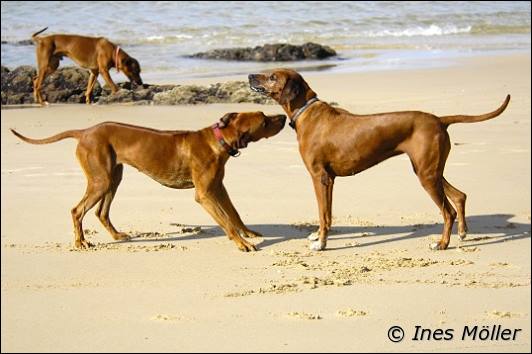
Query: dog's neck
(298, 102)
(224, 141)
(293, 107)
(219, 136)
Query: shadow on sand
(484, 230)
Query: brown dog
(176, 159)
(94, 53)
(334, 142)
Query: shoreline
(419, 61)
(366, 62)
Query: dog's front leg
(323, 187)
(211, 200)
(90, 85)
(234, 216)
(107, 78)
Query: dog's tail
(34, 36)
(447, 120)
(67, 134)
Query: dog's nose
(281, 118)
(251, 77)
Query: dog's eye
(273, 77)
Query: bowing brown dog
(176, 159)
(334, 142)
(94, 53)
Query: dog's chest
(179, 182)
(175, 180)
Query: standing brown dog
(94, 53)
(176, 159)
(334, 142)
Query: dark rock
(69, 84)
(22, 42)
(270, 52)
(17, 85)
(64, 85)
(120, 96)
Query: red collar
(116, 59)
(218, 135)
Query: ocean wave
(432, 30)
(165, 39)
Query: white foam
(432, 30)
(154, 38)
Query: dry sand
(178, 289)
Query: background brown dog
(176, 159)
(94, 53)
(334, 142)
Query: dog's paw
(314, 236)
(82, 244)
(122, 237)
(250, 233)
(246, 247)
(317, 246)
(437, 246)
(462, 235)
(434, 246)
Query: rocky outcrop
(128, 93)
(17, 85)
(64, 85)
(270, 52)
(22, 42)
(227, 92)
(68, 85)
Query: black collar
(300, 111)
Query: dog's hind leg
(97, 167)
(47, 64)
(102, 212)
(90, 85)
(428, 159)
(94, 193)
(434, 187)
(459, 199)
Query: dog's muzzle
(254, 85)
(258, 89)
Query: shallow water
(366, 35)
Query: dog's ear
(224, 121)
(290, 91)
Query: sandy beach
(181, 285)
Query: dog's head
(251, 126)
(283, 85)
(131, 68)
